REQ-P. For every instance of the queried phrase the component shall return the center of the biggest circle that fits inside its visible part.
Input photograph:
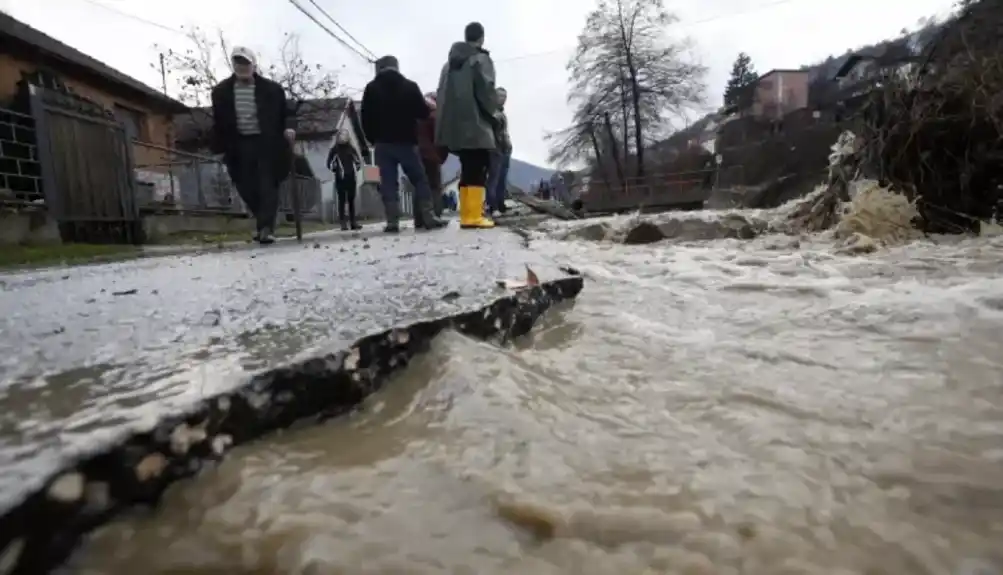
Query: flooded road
(755, 407)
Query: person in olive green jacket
(467, 120)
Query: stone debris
(860, 214)
(640, 230)
(67, 488)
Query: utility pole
(170, 132)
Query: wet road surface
(86, 353)
(759, 407)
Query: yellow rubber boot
(472, 208)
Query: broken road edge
(40, 533)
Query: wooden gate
(87, 168)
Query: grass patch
(241, 234)
(53, 254)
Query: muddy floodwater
(734, 407)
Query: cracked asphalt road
(87, 352)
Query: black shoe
(265, 237)
(426, 218)
(356, 226)
(391, 228)
(344, 226)
(432, 224)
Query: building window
(134, 122)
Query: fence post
(55, 201)
(294, 190)
(198, 188)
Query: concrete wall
(27, 227)
(36, 227)
(160, 227)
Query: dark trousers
(433, 172)
(390, 157)
(497, 180)
(474, 167)
(346, 199)
(255, 181)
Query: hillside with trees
(631, 83)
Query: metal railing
(309, 190)
(169, 179)
(654, 190)
(20, 168)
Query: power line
(180, 32)
(342, 28)
(329, 32)
(756, 8)
(183, 33)
(371, 57)
(134, 17)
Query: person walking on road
(392, 106)
(344, 161)
(254, 131)
(432, 156)
(500, 160)
(466, 120)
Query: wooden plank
(549, 207)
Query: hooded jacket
(467, 101)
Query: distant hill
(520, 174)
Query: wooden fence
(86, 168)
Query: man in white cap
(254, 130)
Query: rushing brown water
(722, 407)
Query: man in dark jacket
(392, 106)
(344, 161)
(466, 120)
(253, 130)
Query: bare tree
(194, 71)
(626, 66)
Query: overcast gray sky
(530, 40)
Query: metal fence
(665, 190)
(169, 179)
(309, 191)
(20, 170)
